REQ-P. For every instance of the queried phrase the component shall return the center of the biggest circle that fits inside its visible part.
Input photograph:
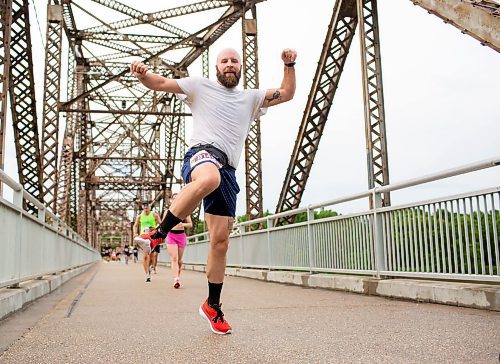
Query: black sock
(214, 290)
(169, 222)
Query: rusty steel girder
(376, 139)
(22, 100)
(346, 15)
(478, 18)
(66, 178)
(52, 87)
(253, 160)
(5, 25)
(330, 66)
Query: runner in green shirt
(145, 220)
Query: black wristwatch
(291, 64)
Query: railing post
(41, 215)
(242, 230)
(310, 239)
(56, 223)
(17, 198)
(41, 218)
(378, 238)
(269, 226)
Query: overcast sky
(441, 91)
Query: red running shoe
(215, 318)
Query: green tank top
(147, 221)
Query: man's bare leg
(219, 227)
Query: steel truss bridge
(123, 143)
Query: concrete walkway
(110, 315)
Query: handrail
(18, 189)
(452, 172)
(9, 181)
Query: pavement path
(110, 315)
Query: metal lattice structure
(21, 87)
(376, 141)
(325, 83)
(128, 140)
(52, 87)
(253, 160)
(123, 143)
(5, 25)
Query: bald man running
(222, 115)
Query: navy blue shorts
(222, 201)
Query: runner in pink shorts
(176, 242)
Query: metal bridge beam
(52, 89)
(253, 160)
(22, 100)
(478, 18)
(373, 97)
(5, 26)
(66, 179)
(330, 66)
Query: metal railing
(455, 237)
(31, 247)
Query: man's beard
(226, 81)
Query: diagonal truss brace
(376, 140)
(478, 18)
(22, 100)
(330, 66)
(5, 24)
(253, 160)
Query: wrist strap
(291, 64)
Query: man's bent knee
(207, 176)
(208, 184)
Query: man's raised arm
(275, 96)
(152, 80)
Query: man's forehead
(228, 53)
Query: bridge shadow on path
(113, 315)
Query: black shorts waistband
(177, 231)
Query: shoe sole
(202, 314)
(177, 285)
(144, 244)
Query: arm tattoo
(276, 96)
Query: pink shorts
(179, 239)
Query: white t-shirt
(222, 116)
